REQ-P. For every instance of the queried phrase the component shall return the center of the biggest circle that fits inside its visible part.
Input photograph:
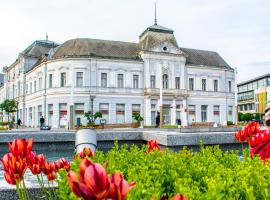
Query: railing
(210, 93)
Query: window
(39, 111)
(79, 111)
(136, 108)
(50, 80)
(103, 79)
(177, 82)
(135, 81)
(204, 113)
(50, 114)
(165, 80)
(230, 113)
(203, 84)
(31, 88)
(40, 83)
(104, 109)
(120, 113)
(79, 79)
(215, 85)
(230, 86)
(19, 88)
(191, 113)
(35, 86)
(152, 81)
(26, 88)
(216, 114)
(63, 79)
(191, 84)
(120, 80)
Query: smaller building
(254, 94)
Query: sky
(239, 30)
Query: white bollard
(85, 138)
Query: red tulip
(21, 147)
(14, 168)
(86, 152)
(62, 163)
(51, 176)
(152, 144)
(48, 168)
(91, 183)
(260, 144)
(119, 187)
(248, 132)
(33, 163)
(41, 160)
(179, 197)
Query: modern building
(61, 82)
(253, 94)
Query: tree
(137, 117)
(92, 117)
(9, 106)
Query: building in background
(61, 82)
(253, 94)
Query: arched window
(165, 79)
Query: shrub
(208, 174)
(4, 123)
(230, 123)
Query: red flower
(14, 168)
(41, 160)
(119, 187)
(152, 144)
(179, 197)
(33, 163)
(260, 144)
(93, 184)
(62, 163)
(48, 168)
(51, 176)
(248, 132)
(21, 147)
(86, 152)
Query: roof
(39, 48)
(85, 47)
(202, 57)
(157, 28)
(254, 79)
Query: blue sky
(239, 30)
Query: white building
(61, 82)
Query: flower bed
(207, 174)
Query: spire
(155, 13)
(46, 36)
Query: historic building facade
(61, 82)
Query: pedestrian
(19, 122)
(179, 123)
(42, 121)
(157, 120)
(267, 115)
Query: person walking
(157, 120)
(42, 121)
(19, 122)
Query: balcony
(166, 92)
(210, 94)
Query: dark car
(258, 120)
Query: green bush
(208, 174)
(4, 123)
(230, 123)
(169, 126)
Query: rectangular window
(104, 109)
(79, 79)
(191, 84)
(191, 113)
(40, 83)
(26, 88)
(103, 79)
(50, 114)
(136, 108)
(35, 86)
(216, 114)
(19, 88)
(230, 86)
(152, 81)
(215, 85)
(120, 113)
(63, 79)
(177, 82)
(79, 111)
(50, 80)
(135, 81)
(63, 115)
(230, 113)
(40, 111)
(120, 80)
(31, 88)
(203, 84)
(204, 113)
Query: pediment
(166, 47)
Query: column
(184, 113)
(147, 111)
(173, 114)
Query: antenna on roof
(155, 13)
(47, 36)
